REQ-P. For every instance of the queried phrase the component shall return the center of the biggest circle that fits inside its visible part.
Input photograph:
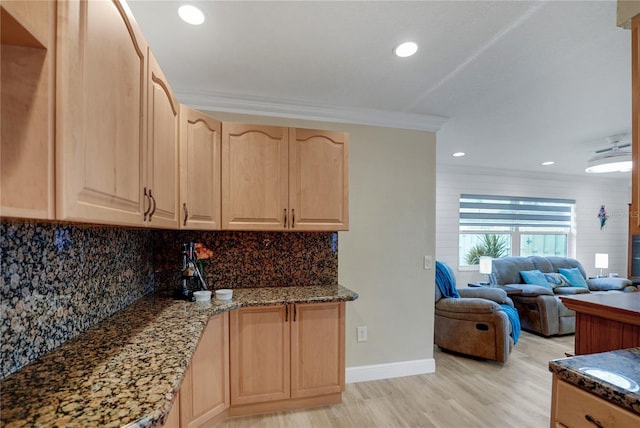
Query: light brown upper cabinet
(199, 170)
(161, 160)
(318, 179)
(100, 113)
(276, 178)
(117, 121)
(27, 88)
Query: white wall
(392, 227)
(589, 193)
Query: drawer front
(577, 408)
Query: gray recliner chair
(474, 324)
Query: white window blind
(486, 212)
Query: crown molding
(298, 110)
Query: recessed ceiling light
(458, 154)
(191, 14)
(406, 49)
(548, 163)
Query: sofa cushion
(534, 277)
(506, 270)
(574, 276)
(556, 279)
(542, 264)
(566, 263)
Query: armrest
(467, 305)
(529, 290)
(495, 294)
(603, 284)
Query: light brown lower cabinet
(263, 359)
(204, 393)
(286, 357)
(574, 407)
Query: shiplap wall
(589, 193)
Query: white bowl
(224, 294)
(202, 296)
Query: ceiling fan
(616, 158)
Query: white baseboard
(389, 370)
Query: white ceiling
(511, 83)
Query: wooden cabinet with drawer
(574, 407)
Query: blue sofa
(540, 308)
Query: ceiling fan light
(191, 14)
(618, 163)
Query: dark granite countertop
(125, 370)
(613, 376)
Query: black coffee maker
(192, 279)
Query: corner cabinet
(199, 170)
(276, 178)
(204, 394)
(286, 357)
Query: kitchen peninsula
(605, 321)
(127, 370)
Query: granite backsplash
(60, 279)
(251, 259)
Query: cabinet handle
(154, 205)
(186, 213)
(293, 218)
(285, 218)
(590, 418)
(286, 314)
(146, 196)
(295, 312)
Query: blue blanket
(446, 282)
(514, 319)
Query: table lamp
(602, 262)
(485, 266)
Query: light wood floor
(463, 392)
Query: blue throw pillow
(535, 277)
(574, 276)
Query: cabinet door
(318, 179)
(100, 113)
(317, 349)
(260, 353)
(27, 89)
(173, 418)
(204, 393)
(254, 177)
(161, 160)
(199, 170)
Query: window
(501, 226)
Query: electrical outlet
(428, 262)
(362, 333)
